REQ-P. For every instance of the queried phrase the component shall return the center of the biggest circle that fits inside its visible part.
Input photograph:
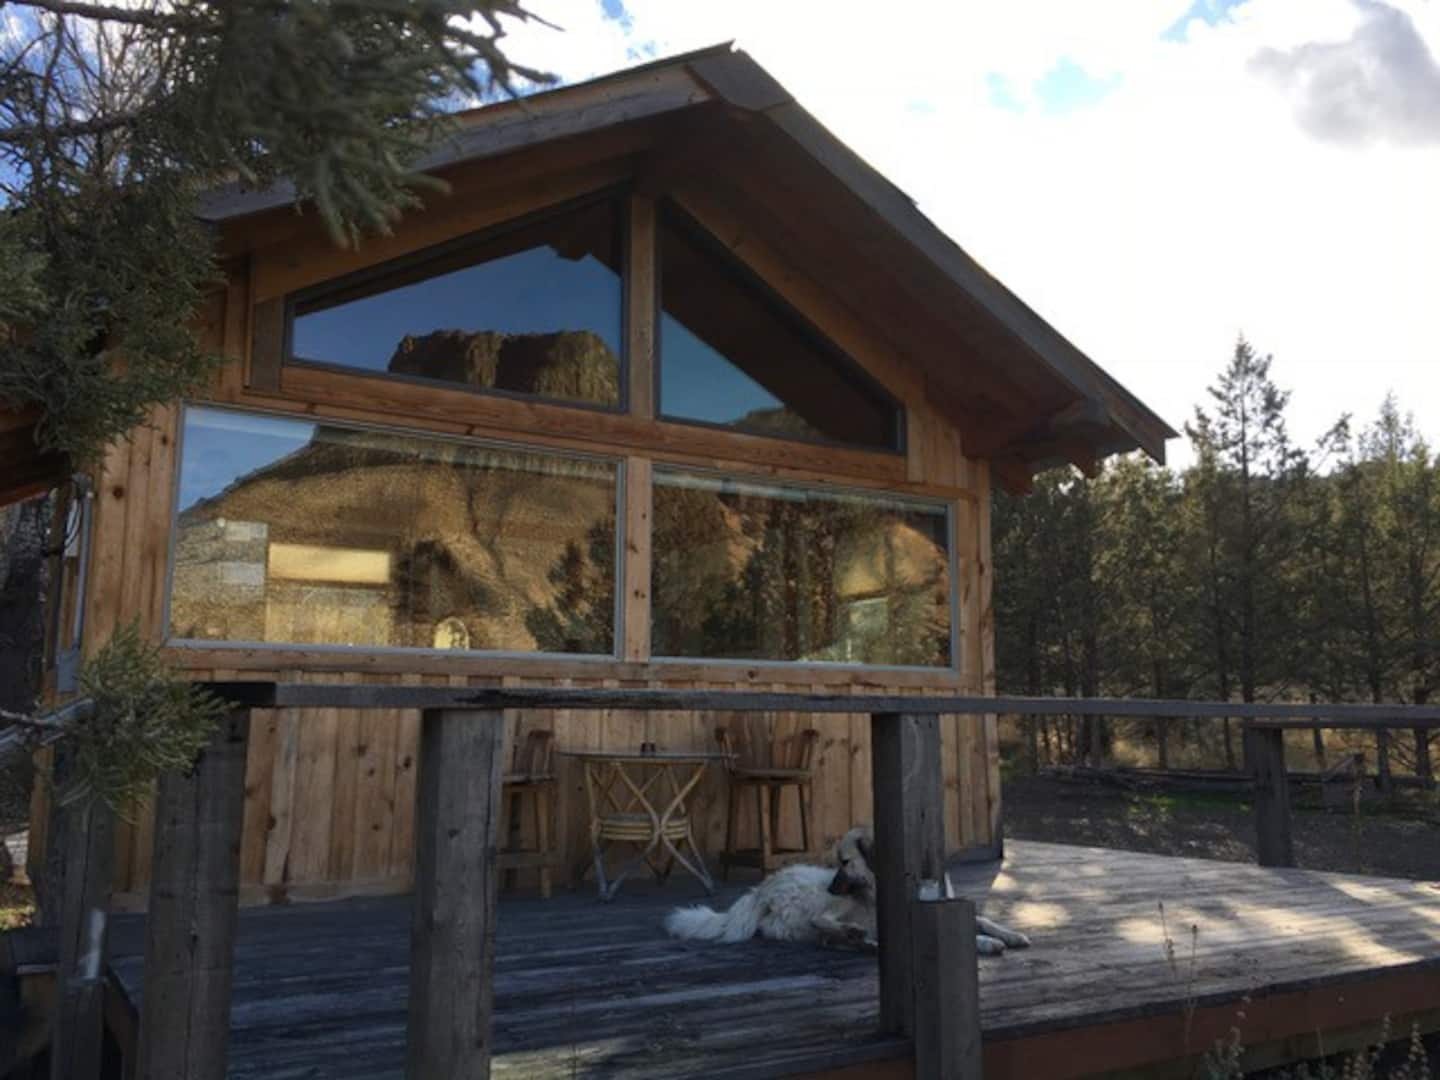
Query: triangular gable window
(734, 355)
(531, 309)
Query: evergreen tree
(1149, 587)
(1407, 481)
(116, 117)
(1250, 480)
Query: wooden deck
(585, 989)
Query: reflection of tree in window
(581, 619)
(790, 577)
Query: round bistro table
(639, 798)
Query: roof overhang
(1022, 395)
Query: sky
(1154, 177)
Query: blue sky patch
(1210, 12)
(1002, 94)
(1067, 87)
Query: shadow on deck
(585, 989)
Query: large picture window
(535, 310)
(325, 534)
(748, 571)
(733, 354)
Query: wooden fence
(928, 982)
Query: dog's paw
(1013, 939)
(988, 946)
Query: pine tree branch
(99, 125)
(154, 20)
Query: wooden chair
(791, 766)
(530, 778)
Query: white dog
(815, 903)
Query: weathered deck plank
(585, 989)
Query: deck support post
(452, 939)
(194, 895)
(1266, 751)
(909, 848)
(947, 990)
(88, 847)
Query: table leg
(640, 794)
(697, 868)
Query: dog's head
(853, 854)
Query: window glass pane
(536, 310)
(322, 534)
(730, 354)
(751, 571)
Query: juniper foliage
(116, 117)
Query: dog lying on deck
(816, 903)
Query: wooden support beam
(1013, 474)
(87, 845)
(1273, 842)
(452, 938)
(267, 350)
(909, 847)
(947, 990)
(641, 298)
(635, 565)
(190, 930)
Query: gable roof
(1022, 395)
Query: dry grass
(17, 905)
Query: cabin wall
(329, 800)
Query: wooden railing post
(190, 928)
(88, 847)
(947, 990)
(452, 940)
(909, 847)
(1266, 750)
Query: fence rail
(1266, 714)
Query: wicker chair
(530, 778)
(791, 766)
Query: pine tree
(1248, 483)
(1148, 587)
(1407, 481)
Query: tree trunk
(1162, 741)
(1317, 733)
(1424, 770)
(1382, 761)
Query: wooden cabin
(671, 389)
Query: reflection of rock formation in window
(451, 633)
(572, 365)
(374, 538)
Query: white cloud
(1380, 83)
(1185, 207)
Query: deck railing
(928, 979)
